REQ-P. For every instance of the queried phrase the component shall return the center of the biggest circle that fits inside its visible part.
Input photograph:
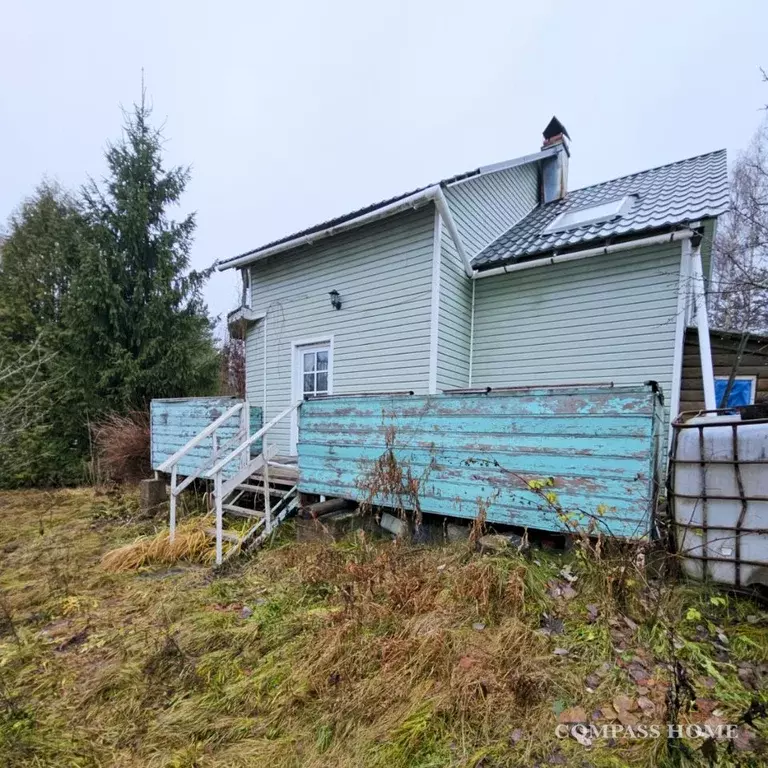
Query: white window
(581, 217)
(314, 371)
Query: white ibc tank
(720, 490)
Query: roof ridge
(649, 170)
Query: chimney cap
(555, 128)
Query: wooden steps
(237, 511)
(259, 489)
(226, 535)
(282, 494)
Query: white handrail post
(173, 504)
(267, 498)
(245, 429)
(219, 516)
(252, 439)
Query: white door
(312, 375)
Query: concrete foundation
(333, 526)
(153, 494)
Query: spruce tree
(137, 324)
(41, 440)
(39, 259)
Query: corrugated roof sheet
(669, 195)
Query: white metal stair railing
(244, 478)
(247, 470)
(171, 463)
(266, 522)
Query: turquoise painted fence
(596, 445)
(174, 422)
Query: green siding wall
(606, 318)
(483, 209)
(455, 318)
(383, 272)
(487, 206)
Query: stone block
(152, 493)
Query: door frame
(297, 389)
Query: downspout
(434, 315)
(472, 334)
(264, 383)
(702, 323)
(681, 322)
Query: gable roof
(361, 215)
(669, 195)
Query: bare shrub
(232, 367)
(122, 445)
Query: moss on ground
(361, 653)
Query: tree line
(99, 310)
(738, 295)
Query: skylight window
(592, 215)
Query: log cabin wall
(725, 345)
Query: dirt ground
(360, 653)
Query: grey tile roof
(665, 196)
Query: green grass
(364, 653)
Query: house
(498, 277)
(461, 347)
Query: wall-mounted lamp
(335, 299)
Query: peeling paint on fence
(174, 422)
(598, 444)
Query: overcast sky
(292, 112)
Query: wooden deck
(594, 448)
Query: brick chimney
(554, 169)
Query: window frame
(623, 204)
(313, 351)
(752, 378)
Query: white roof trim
(507, 164)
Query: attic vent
(595, 214)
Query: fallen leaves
(623, 703)
(646, 705)
(563, 590)
(573, 715)
(551, 625)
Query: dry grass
(364, 653)
(191, 544)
